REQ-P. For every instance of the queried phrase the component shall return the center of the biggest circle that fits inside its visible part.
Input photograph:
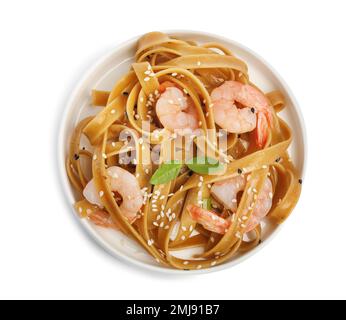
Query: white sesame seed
(181, 188)
(80, 209)
(264, 167)
(212, 239)
(113, 111)
(213, 263)
(173, 215)
(198, 63)
(170, 101)
(200, 184)
(94, 157)
(200, 123)
(146, 171)
(271, 195)
(141, 99)
(101, 193)
(207, 114)
(186, 262)
(183, 228)
(158, 217)
(162, 214)
(244, 218)
(201, 178)
(185, 91)
(183, 238)
(155, 224)
(200, 201)
(104, 156)
(209, 185)
(191, 228)
(166, 227)
(199, 266)
(146, 79)
(174, 74)
(238, 235)
(147, 72)
(211, 105)
(162, 224)
(243, 225)
(234, 200)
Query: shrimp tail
(262, 129)
(208, 219)
(102, 219)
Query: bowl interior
(106, 72)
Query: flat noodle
(164, 225)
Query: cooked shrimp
(241, 120)
(124, 183)
(226, 193)
(175, 111)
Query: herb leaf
(205, 165)
(207, 204)
(166, 172)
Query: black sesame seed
(240, 171)
(300, 181)
(83, 148)
(76, 156)
(239, 135)
(125, 93)
(278, 159)
(260, 241)
(253, 110)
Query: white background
(45, 46)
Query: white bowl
(104, 74)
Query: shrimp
(125, 184)
(226, 193)
(242, 120)
(175, 111)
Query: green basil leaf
(205, 165)
(207, 204)
(166, 172)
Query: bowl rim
(61, 152)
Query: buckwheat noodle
(196, 69)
